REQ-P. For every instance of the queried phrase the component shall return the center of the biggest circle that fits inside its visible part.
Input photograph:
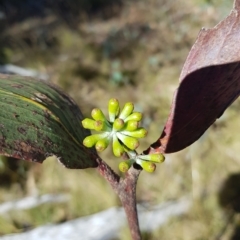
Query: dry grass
(149, 64)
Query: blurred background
(133, 51)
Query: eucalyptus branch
(125, 188)
(122, 129)
(127, 195)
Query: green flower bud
(127, 110)
(148, 166)
(131, 142)
(102, 126)
(118, 149)
(125, 165)
(97, 114)
(131, 125)
(88, 123)
(113, 109)
(136, 116)
(154, 157)
(102, 144)
(118, 124)
(90, 141)
(139, 133)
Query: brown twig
(125, 188)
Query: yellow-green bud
(118, 149)
(154, 157)
(127, 110)
(148, 166)
(113, 109)
(131, 142)
(102, 144)
(139, 133)
(88, 123)
(118, 124)
(97, 114)
(90, 141)
(125, 165)
(101, 126)
(131, 125)
(136, 116)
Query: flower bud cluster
(147, 162)
(122, 129)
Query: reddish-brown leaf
(209, 83)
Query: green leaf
(37, 120)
